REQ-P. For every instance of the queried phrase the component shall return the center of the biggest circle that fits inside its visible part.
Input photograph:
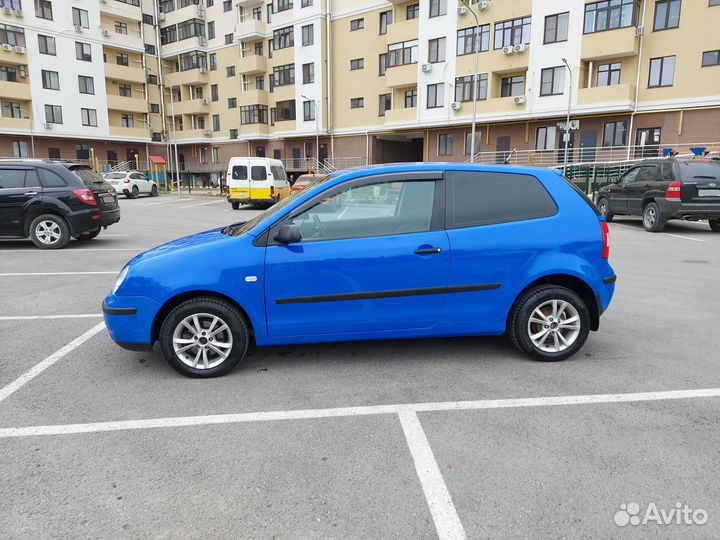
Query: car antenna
(511, 154)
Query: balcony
(14, 123)
(401, 76)
(253, 97)
(401, 116)
(251, 64)
(250, 130)
(245, 4)
(284, 56)
(191, 106)
(130, 132)
(10, 54)
(286, 126)
(131, 40)
(610, 44)
(124, 73)
(402, 31)
(192, 134)
(501, 63)
(621, 94)
(120, 9)
(250, 29)
(128, 104)
(494, 106)
(15, 90)
(284, 93)
(190, 76)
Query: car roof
(440, 166)
(33, 161)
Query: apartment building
(350, 81)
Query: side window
(380, 209)
(258, 172)
(278, 172)
(12, 178)
(50, 179)
(649, 173)
(239, 172)
(667, 171)
(630, 176)
(31, 179)
(487, 198)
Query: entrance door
(131, 153)
(323, 154)
(112, 157)
(296, 158)
(588, 144)
(648, 143)
(502, 149)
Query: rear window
(239, 172)
(87, 175)
(115, 176)
(258, 172)
(699, 170)
(479, 198)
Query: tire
(541, 299)
(604, 207)
(154, 191)
(206, 309)
(134, 192)
(714, 225)
(235, 205)
(652, 219)
(49, 231)
(88, 235)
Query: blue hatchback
(385, 252)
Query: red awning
(157, 160)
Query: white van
(256, 180)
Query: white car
(132, 184)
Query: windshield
(115, 175)
(241, 228)
(87, 175)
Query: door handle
(428, 251)
(31, 193)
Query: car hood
(194, 244)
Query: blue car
(384, 252)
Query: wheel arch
(36, 211)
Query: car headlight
(120, 279)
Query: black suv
(663, 189)
(52, 201)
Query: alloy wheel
(649, 217)
(554, 326)
(48, 232)
(202, 341)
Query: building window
(601, 16)
(357, 63)
(513, 32)
(386, 18)
(662, 72)
(357, 103)
(213, 61)
(50, 80)
(306, 3)
(148, 19)
(233, 133)
(86, 85)
(438, 7)
(53, 114)
(260, 82)
(384, 103)
(467, 38)
(445, 144)
(12, 35)
(46, 45)
(155, 108)
(89, 117)
(216, 154)
(285, 110)
(227, 6)
(43, 9)
(191, 60)
(82, 151)
(556, 27)
(214, 92)
(168, 35)
(121, 28)
(8, 73)
(211, 30)
(152, 79)
(308, 36)
(216, 122)
(230, 71)
(122, 59)
(11, 109)
(400, 54)
(357, 24)
(283, 38)
(468, 142)
(608, 74)
(80, 17)
(545, 138)
(190, 28)
(83, 51)
(436, 50)
(412, 12)
(150, 49)
(284, 75)
(464, 90)
(411, 98)
(20, 150)
(711, 58)
(667, 14)
(253, 114)
(228, 39)
(512, 86)
(435, 95)
(281, 5)
(614, 133)
(382, 64)
(125, 90)
(308, 73)
(232, 103)
(552, 81)
(308, 111)
(127, 120)
(259, 48)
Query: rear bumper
(108, 217)
(673, 209)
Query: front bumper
(673, 209)
(129, 319)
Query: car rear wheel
(49, 231)
(134, 192)
(88, 235)
(549, 323)
(715, 225)
(235, 205)
(204, 337)
(154, 191)
(604, 207)
(652, 220)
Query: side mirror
(289, 233)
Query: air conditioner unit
(640, 31)
(23, 72)
(78, 28)
(519, 100)
(426, 68)
(7, 47)
(462, 10)
(520, 48)
(47, 125)
(455, 105)
(509, 49)
(19, 49)
(106, 33)
(483, 5)
(8, 11)
(205, 101)
(19, 13)
(207, 132)
(202, 41)
(161, 17)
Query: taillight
(605, 239)
(126, 181)
(86, 196)
(673, 191)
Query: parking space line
(304, 414)
(442, 509)
(78, 250)
(201, 204)
(640, 229)
(684, 237)
(169, 201)
(22, 274)
(50, 317)
(37, 369)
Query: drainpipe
(161, 80)
(328, 67)
(637, 82)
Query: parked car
(132, 184)
(663, 189)
(256, 180)
(384, 252)
(53, 201)
(305, 180)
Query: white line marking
(301, 414)
(169, 201)
(17, 274)
(49, 317)
(200, 204)
(684, 237)
(115, 235)
(36, 370)
(78, 250)
(442, 509)
(640, 229)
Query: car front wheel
(49, 232)
(549, 323)
(204, 337)
(604, 207)
(154, 191)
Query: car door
(618, 192)
(645, 180)
(18, 187)
(373, 259)
(145, 184)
